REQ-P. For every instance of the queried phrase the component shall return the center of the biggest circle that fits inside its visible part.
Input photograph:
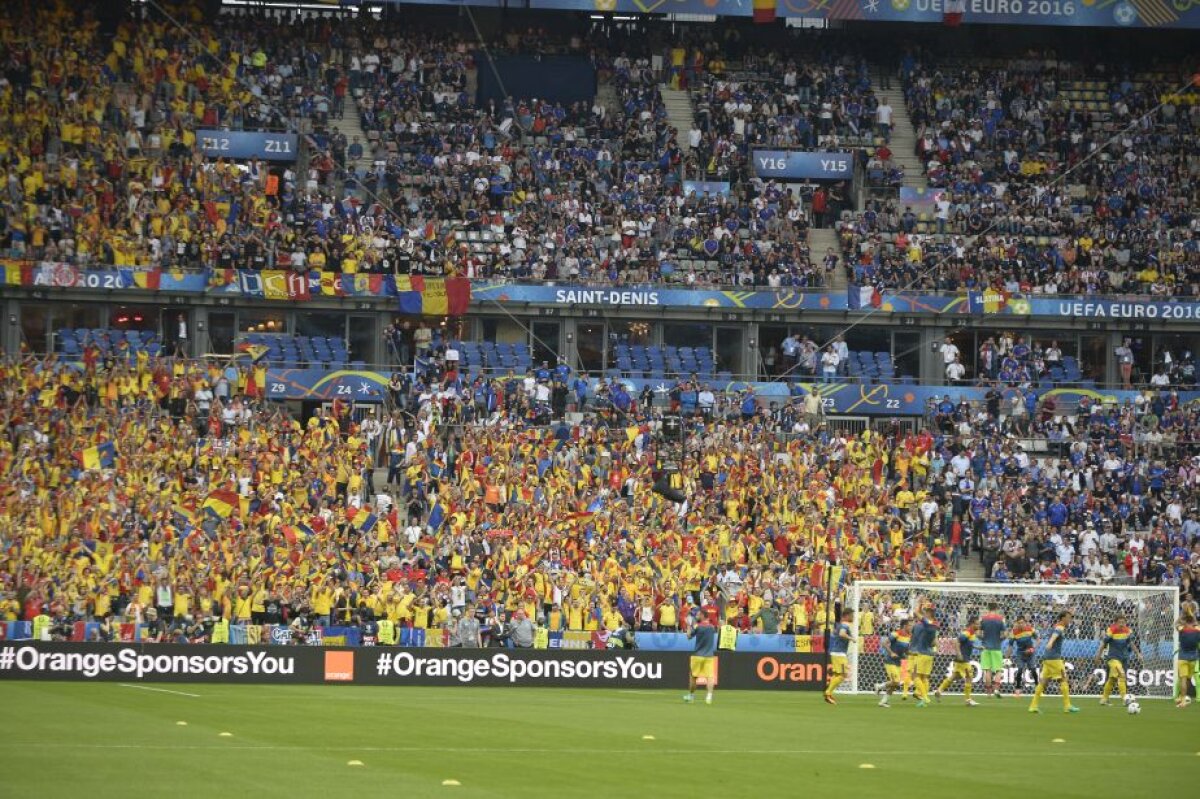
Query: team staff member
(967, 640)
(1052, 666)
(704, 658)
(1189, 659)
(1116, 642)
(839, 650)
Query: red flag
(953, 14)
(764, 11)
(458, 295)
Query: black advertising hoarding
(215, 663)
(305, 665)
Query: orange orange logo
(339, 666)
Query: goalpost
(1151, 611)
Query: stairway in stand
(970, 570)
(680, 114)
(820, 241)
(351, 125)
(904, 138)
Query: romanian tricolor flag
(141, 279)
(255, 351)
(364, 521)
(764, 11)
(16, 274)
(221, 503)
(101, 456)
(296, 534)
(433, 296)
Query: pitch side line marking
(588, 750)
(158, 690)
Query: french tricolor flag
(858, 297)
(953, 11)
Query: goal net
(1151, 612)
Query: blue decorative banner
(1071, 13)
(244, 145)
(796, 165)
(281, 285)
(1084, 13)
(846, 398)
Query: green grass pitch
(105, 739)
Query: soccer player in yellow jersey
(1053, 668)
(963, 669)
(1188, 663)
(1115, 650)
(839, 650)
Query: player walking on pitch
(703, 659)
(1053, 667)
(991, 629)
(1024, 641)
(1116, 642)
(895, 650)
(920, 654)
(967, 640)
(1188, 665)
(839, 649)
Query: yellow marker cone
(1059, 741)
(226, 735)
(451, 783)
(866, 765)
(355, 763)
(181, 724)
(647, 737)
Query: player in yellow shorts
(839, 649)
(1116, 648)
(895, 649)
(920, 653)
(1189, 659)
(1052, 667)
(963, 670)
(704, 658)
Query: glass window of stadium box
(731, 350)
(261, 321)
(589, 345)
(502, 330)
(222, 330)
(1175, 357)
(141, 317)
(545, 344)
(364, 337)
(35, 328)
(40, 321)
(321, 324)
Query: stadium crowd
(105, 170)
(171, 494)
(1046, 176)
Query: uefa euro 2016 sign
(794, 165)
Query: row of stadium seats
(73, 342)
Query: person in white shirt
(955, 371)
(949, 352)
(883, 119)
(829, 364)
